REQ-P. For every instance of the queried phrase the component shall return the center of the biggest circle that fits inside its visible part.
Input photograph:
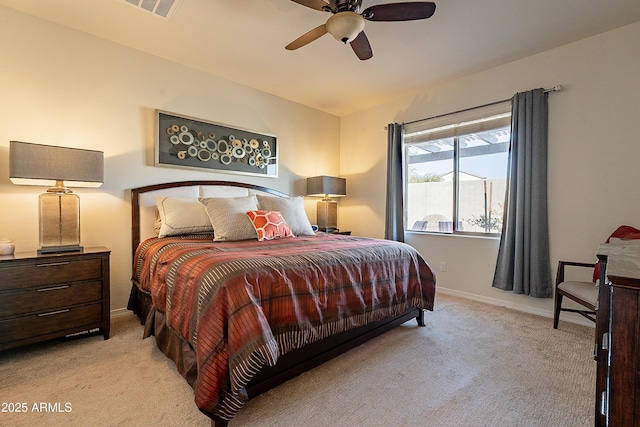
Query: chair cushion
(586, 291)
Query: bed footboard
(289, 365)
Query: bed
(239, 315)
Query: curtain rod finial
(556, 88)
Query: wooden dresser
(52, 295)
(618, 332)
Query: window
(456, 171)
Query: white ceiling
(243, 41)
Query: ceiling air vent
(161, 8)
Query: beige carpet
(473, 365)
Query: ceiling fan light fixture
(345, 26)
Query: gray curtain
(523, 257)
(394, 222)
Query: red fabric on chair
(624, 232)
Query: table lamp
(58, 208)
(327, 209)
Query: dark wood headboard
(191, 189)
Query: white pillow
(181, 216)
(292, 209)
(229, 218)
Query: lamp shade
(326, 186)
(58, 208)
(36, 164)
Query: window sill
(466, 235)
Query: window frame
(436, 125)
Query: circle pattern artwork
(207, 147)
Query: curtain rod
(556, 88)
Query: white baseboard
(566, 317)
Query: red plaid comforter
(242, 304)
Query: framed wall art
(194, 143)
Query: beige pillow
(292, 209)
(229, 218)
(181, 216)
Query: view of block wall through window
(455, 173)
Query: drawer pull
(54, 312)
(55, 288)
(53, 264)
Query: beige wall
(62, 87)
(594, 156)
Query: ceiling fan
(346, 23)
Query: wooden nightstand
(52, 295)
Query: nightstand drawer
(48, 272)
(48, 297)
(49, 322)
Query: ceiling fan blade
(362, 47)
(307, 38)
(315, 4)
(408, 11)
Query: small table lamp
(58, 208)
(327, 187)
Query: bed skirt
(289, 365)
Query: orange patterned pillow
(269, 225)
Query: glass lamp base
(59, 218)
(327, 214)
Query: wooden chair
(584, 293)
